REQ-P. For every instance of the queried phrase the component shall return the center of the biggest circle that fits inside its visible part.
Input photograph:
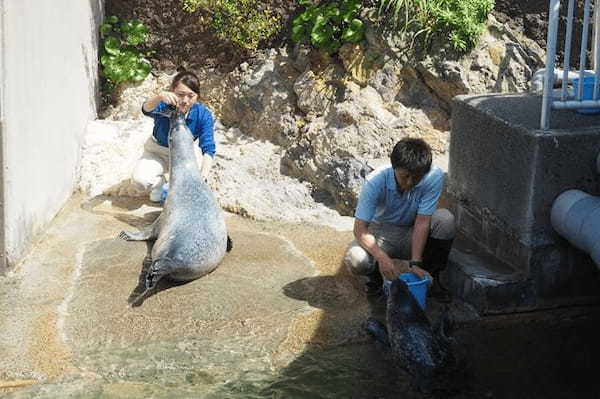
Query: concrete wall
(505, 174)
(49, 93)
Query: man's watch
(418, 263)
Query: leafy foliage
(241, 22)
(461, 21)
(121, 59)
(329, 25)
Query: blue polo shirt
(199, 120)
(380, 201)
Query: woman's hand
(169, 97)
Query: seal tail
(229, 244)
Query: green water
(231, 368)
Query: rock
(502, 61)
(110, 151)
(301, 60)
(347, 175)
(247, 180)
(358, 128)
(314, 95)
(359, 64)
(130, 97)
(263, 103)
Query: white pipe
(537, 80)
(576, 216)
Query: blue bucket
(588, 94)
(416, 285)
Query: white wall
(49, 93)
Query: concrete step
(486, 283)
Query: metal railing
(567, 97)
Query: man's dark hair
(187, 78)
(413, 155)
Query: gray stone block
(504, 174)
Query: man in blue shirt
(397, 217)
(149, 172)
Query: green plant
(461, 21)
(329, 25)
(121, 59)
(241, 22)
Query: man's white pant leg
(358, 260)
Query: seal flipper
(378, 331)
(159, 269)
(149, 233)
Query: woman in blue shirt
(149, 172)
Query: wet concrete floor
(281, 295)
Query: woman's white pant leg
(149, 171)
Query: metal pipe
(575, 216)
(595, 53)
(584, 44)
(553, 14)
(568, 44)
(573, 104)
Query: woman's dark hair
(187, 78)
(413, 155)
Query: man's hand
(386, 268)
(422, 273)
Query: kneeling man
(397, 217)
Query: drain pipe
(576, 216)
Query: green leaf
(127, 26)
(355, 31)
(318, 38)
(320, 21)
(112, 45)
(112, 19)
(105, 29)
(107, 59)
(298, 33)
(135, 38)
(142, 70)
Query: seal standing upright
(424, 353)
(191, 235)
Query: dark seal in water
(190, 233)
(425, 354)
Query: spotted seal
(190, 233)
(415, 346)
